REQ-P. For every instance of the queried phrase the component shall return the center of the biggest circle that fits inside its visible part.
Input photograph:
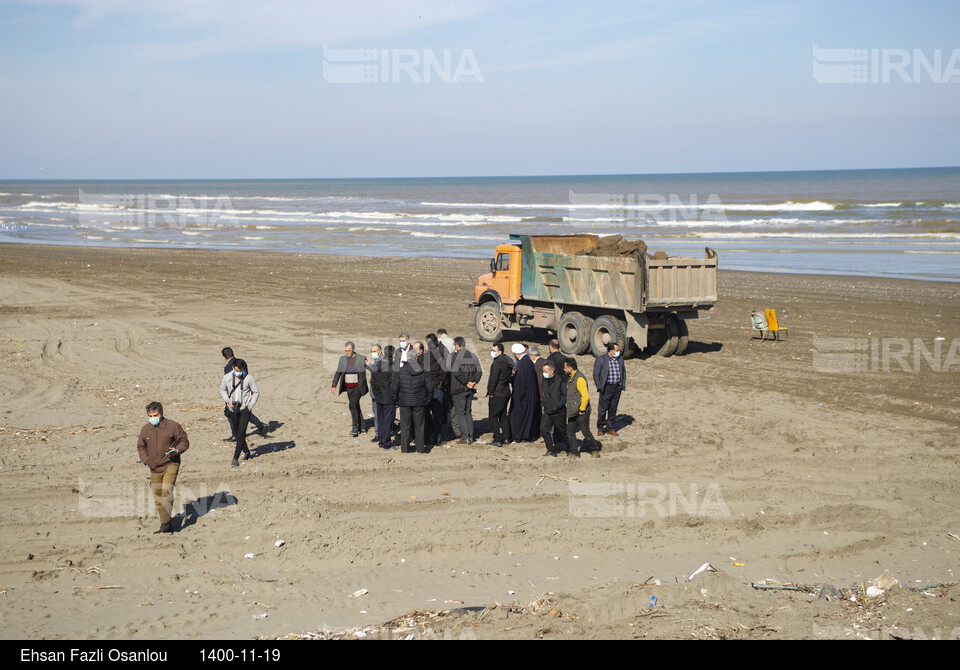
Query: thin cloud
(180, 30)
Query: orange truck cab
(503, 280)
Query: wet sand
(750, 456)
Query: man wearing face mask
(381, 384)
(403, 350)
(240, 393)
(160, 444)
(553, 424)
(498, 392)
(229, 357)
(375, 354)
(610, 377)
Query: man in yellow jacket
(578, 412)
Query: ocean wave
(496, 238)
(814, 206)
(829, 236)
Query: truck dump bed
(553, 272)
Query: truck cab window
(503, 262)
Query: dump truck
(551, 282)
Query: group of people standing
(429, 385)
(434, 382)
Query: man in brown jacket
(160, 444)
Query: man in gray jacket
(240, 393)
(351, 376)
(465, 375)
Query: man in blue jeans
(610, 378)
(228, 356)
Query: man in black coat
(498, 392)
(538, 361)
(413, 389)
(610, 378)
(434, 361)
(525, 407)
(556, 357)
(351, 377)
(465, 375)
(553, 425)
(381, 383)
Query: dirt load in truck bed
(618, 245)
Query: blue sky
(110, 89)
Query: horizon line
(505, 176)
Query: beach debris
(251, 555)
(77, 589)
(358, 593)
(279, 543)
(830, 593)
(874, 592)
(933, 586)
(706, 567)
(885, 582)
(258, 617)
(559, 479)
(776, 585)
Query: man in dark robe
(525, 406)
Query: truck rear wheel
(573, 332)
(488, 322)
(607, 329)
(683, 336)
(669, 346)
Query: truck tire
(669, 346)
(607, 329)
(488, 322)
(573, 332)
(683, 336)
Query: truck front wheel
(573, 332)
(488, 322)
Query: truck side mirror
(493, 265)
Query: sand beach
(754, 457)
